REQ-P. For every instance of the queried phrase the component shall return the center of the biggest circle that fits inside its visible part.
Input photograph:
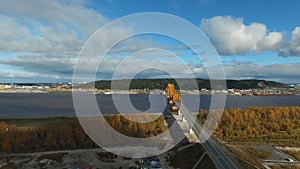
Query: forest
(14, 139)
(68, 134)
(268, 124)
(280, 125)
(135, 129)
(185, 84)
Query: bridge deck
(216, 152)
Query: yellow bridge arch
(171, 92)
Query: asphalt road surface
(217, 153)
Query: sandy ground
(289, 148)
(72, 159)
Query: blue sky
(40, 41)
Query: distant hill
(186, 84)
(252, 83)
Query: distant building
(5, 86)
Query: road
(217, 153)
(52, 152)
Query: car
(289, 159)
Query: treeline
(266, 123)
(69, 134)
(186, 84)
(14, 139)
(136, 129)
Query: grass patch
(280, 166)
(206, 163)
(38, 122)
(9, 166)
(293, 153)
(187, 158)
(55, 157)
(243, 154)
(243, 164)
(259, 154)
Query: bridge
(215, 151)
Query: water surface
(49, 105)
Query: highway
(216, 152)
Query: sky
(40, 41)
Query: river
(51, 105)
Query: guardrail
(217, 153)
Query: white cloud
(232, 37)
(44, 64)
(47, 36)
(5, 75)
(273, 41)
(46, 26)
(55, 67)
(54, 12)
(16, 37)
(292, 48)
(261, 71)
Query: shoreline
(108, 114)
(140, 93)
(69, 117)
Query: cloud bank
(231, 36)
(40, 40)
(292, 48)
